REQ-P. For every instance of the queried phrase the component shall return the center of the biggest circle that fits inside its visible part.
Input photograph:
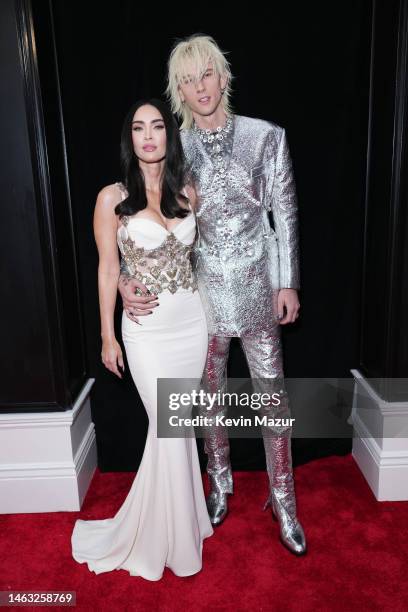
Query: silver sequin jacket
(239, 260)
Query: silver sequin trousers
(263, 353)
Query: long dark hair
(173, 175)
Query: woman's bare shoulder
(109, 196)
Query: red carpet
(357, 557)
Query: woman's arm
(105, 230)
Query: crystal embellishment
(165, 267)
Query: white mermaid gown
(164, 518)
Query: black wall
(384, 326)
(42, 339)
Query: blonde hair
(197, 51)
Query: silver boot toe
(217, 504)
(217, 507)
(291, 531)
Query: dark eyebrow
(154, 121)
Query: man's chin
(205, 112)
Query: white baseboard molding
(47, 459)
(382, 459)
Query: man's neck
(211, 122)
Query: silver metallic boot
(216, 446)
(216, 443)
(282, 497)
(217, 506)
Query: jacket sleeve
(285, 216)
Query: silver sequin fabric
(240, 261)
(263, 353)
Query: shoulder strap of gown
(123, 195)
(123, 190)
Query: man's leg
(264, 356)
(216, 443)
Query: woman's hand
(112, 356)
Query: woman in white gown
(164, 518)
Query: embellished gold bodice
(158, 258)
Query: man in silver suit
(247, 272)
